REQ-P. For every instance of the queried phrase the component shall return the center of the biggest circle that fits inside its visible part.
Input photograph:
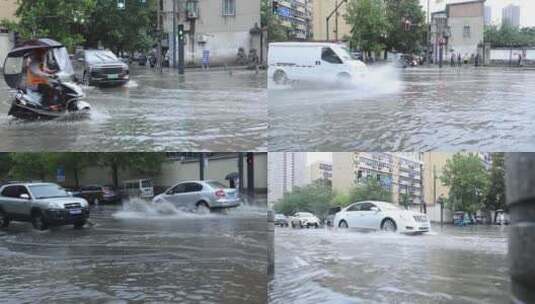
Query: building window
(229, 7)
(466, 31)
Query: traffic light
(275, 6)
(180, 31)
(121, 4)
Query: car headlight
(54, 205)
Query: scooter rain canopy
(14, 63)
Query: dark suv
(96, 194)
(100, 67)
(42, 204)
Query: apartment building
(511, 15)
(319, 171)
(297, 16)
(399, 173)
(338, 27)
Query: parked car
(96, 194)
(200, 196)
(42, 204)
(461, 218)
(312, 61)
(137, 188)
(100, 67)
(329, 220)
(281, 220)
(304, 219)
(502, 218)
(374, 215)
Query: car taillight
(220, 193)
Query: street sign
(60, 174)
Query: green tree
(121, 30)
(75, 163)
(509, 36)
(139, 162)
(399, 38)
(468, 180)
(28, 166)
(370, 190)
(62, 20)
(369, 24)
(405, 200)
(314, 198)
(5, 165)
(276, 31)
(495, 196)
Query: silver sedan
(200, 196)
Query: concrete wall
(173, 172)
(433, 213)
(8, 9)
(343, 171)
(221, 35)
(503, 56)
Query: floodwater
(453, 265)
(135, 254)
(414, 109)
(205, 110)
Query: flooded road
(136, 256)
(215, 111)
(416, 109)
(455, 265)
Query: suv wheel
(38, 221)
(4, 220)
(79, 225)
(389, 226)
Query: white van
(312, 61)
(142, 188)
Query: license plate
(113, 76)
(75, 211)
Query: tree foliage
(315, 198)
(468, 181)
(139, 162)
(275, 30)
(87, 22)
(369, 24)
(509, 36)
(399, 38)
(495, 197)
(370, 190)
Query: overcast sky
(527, 8)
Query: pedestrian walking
(452, 60)
(519, 60)
(205, 62)
(459, 60)
(476, 63)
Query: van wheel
(4, 220)
(38, 221)
(202, 208)
(280, 77)
(343, 79)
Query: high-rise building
(511, 15)
(399, 173)
(286, 170)
(488, 15)
(338, 27)
(296, 16)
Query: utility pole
(519, 179)
(159, 30)
(427, 36)
(335, 11)
(174, 34)
(250, 174)
(202, 160)
(240, 171)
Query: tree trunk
(115, 175)
(76, 178)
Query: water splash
(141, 209)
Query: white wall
(433, 213)
(504, 54)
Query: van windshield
(344, 53)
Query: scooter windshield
(63, 61)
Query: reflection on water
(166, 259)
(422, 109)
(456, 265)
(212, 110)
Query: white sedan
(304, 219)
(373, 215)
